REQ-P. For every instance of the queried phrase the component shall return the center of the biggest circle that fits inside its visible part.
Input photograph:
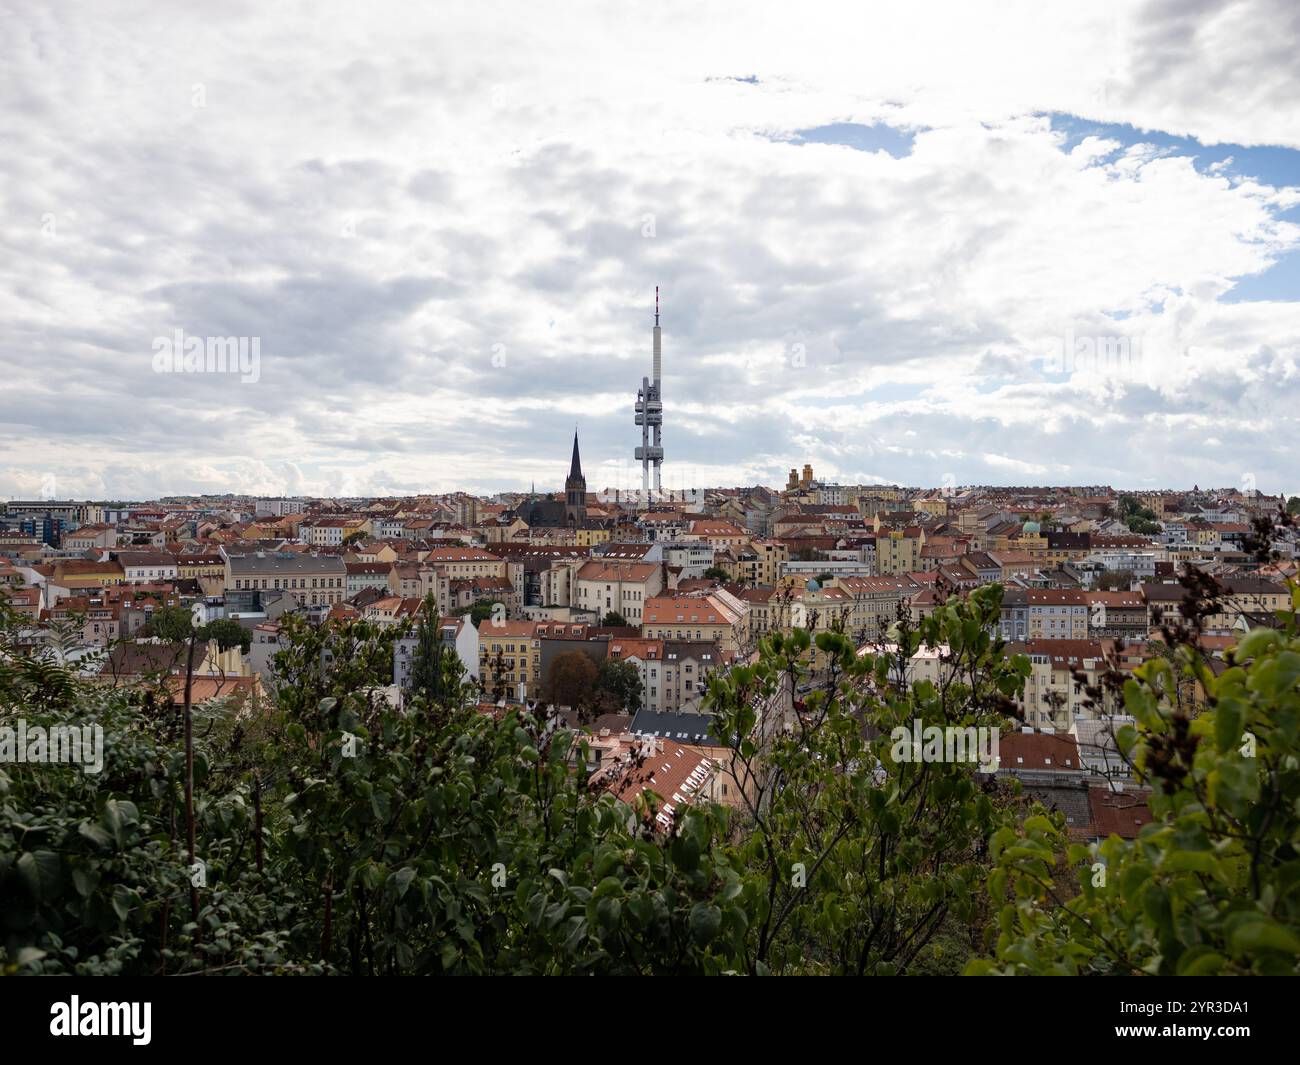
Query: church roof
(543, 513)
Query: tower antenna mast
(650, 414)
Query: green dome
(1031, 527)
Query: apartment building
(91, 537)
(717, 617)
(719, 535)
(100, 618)
(462, 563)
(768, 610)
(622, 587)
(1247, 597)
(308, 580)
(514, 648)
(694, 559)
(674, 673)
(761, 562)
(1117, 615)
(591, 533)
(140, 567)
(463, 594)
(873, 604)
(407, 580)
(1141, 564)
(208, 570)
(1044, 613)
(390, 610)
(76, 575)
(362, 575)
(662, 525)
(898, 551)
(330, 532)
(1241, 600)
(1053, 697)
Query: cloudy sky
(929, 244)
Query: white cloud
(445, 225)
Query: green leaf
(96, 834)
(39, 873)
(1254, 643)
(705, 922)
(84, 880)
(1229, 720)
(1264, 934)
(608, 913)
(1200, 960)
(1190, 861)
(402, 880)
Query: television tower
(650, 414)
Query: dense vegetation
(332, 832)
(1139, 519)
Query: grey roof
(686, 728)
(287, 562)
(542, 513)
(1168, 593)
(145, 558)
(686, 650)
(1251, 586)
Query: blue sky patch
(1270, 165)
(1281, 281)
(875, 138)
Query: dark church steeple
(575, 467)
(575, 489)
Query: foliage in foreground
(339, 834)
(1212, 886)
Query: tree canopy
(339, 831)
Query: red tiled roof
(1038, 750)
(1120, 814)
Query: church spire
(575, 490)
(575, 467)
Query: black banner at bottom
(240, 1014)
